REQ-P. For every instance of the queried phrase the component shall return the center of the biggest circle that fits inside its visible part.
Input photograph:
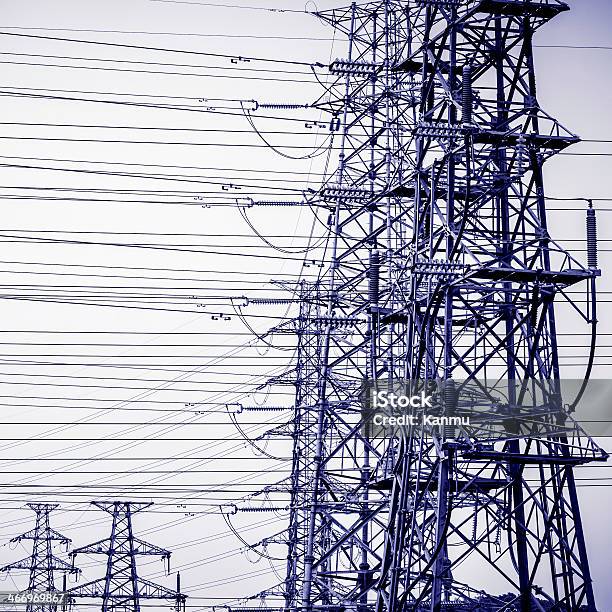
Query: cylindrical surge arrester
(467, 97)
(450, 395)
(591, 231)
(374, 278)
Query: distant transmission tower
(441, 268)
(121, 589)
(42, 563)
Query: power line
(142, 71)
(149, 48)
(149, 33)
(233, 6)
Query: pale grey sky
(574, 87)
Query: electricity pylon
(122, 589)
(440, 267)
(42, 563)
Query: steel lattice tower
(308, 334)
(121, 589)
(42, 563)
(441, 268)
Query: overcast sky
(152, 263)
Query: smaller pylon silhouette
(42, 563)
(121, 589)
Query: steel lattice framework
(122, 589)
(441, 267)
(42, 564)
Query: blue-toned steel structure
(441, 267)
(43, 563)
(121, 589)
